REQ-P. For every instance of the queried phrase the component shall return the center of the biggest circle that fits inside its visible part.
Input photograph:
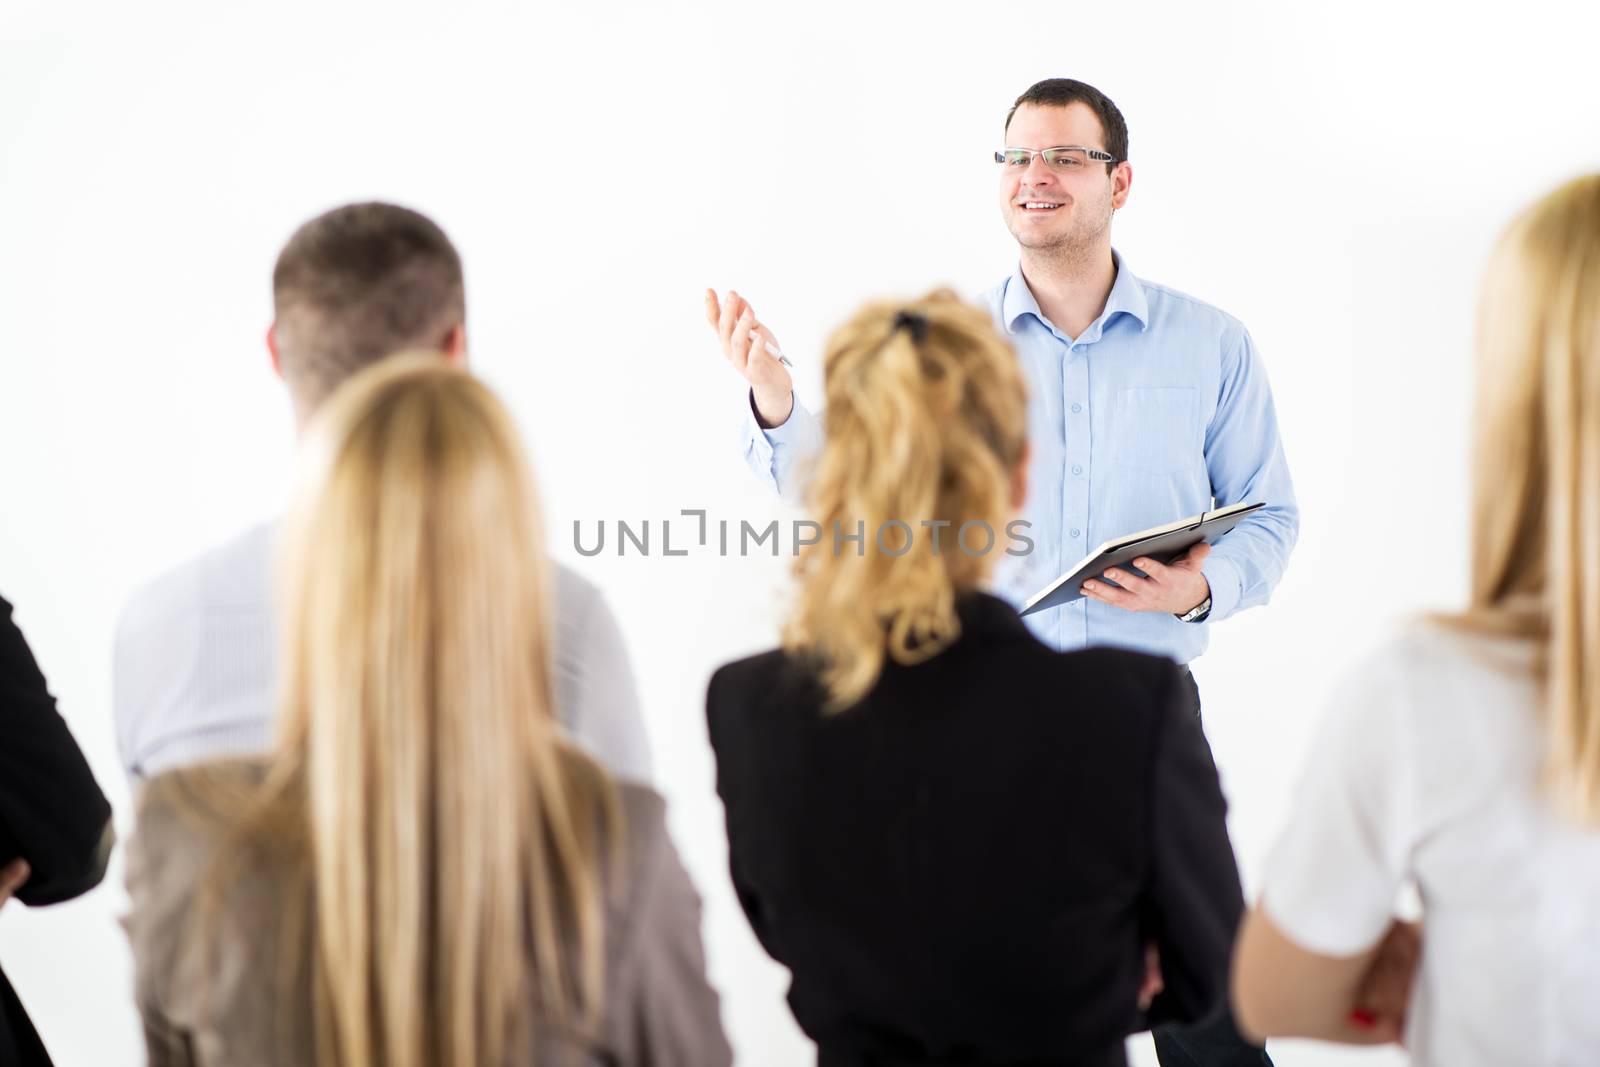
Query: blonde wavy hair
(1536, 497)
(926, 421)
(454, 836)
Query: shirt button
(1077, 408)
(1074, 531)
(1076, 469)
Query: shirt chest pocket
(1155, 430)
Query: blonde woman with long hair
(1464, 756)
(966, 846)
(425, 873)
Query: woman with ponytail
(426, 873)
(1464, 755)
(965, 846)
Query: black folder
(1162, 544)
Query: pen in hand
(772, 348)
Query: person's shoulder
(573, 592)
(233, 574)
(644, 816)
(1186, 302)
(586, 626)
(1443, 676)
(754, 669)
(1110, 691)
(640, 812)
(1121, 682)
(188, 863)
(185, 818)
(1174, 307)
(764, 674)
(767, 689)
(637, 850)
(194, 806)
(1108, 665)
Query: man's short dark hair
(359, 283)
(1059, 92)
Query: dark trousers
(1214, 1041)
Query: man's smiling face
(1046, 208)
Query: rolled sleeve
(1222, 575)
(777, 455)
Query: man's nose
(1038, 172)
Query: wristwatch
(1197, 613)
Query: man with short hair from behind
(195, 649)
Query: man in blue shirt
(1145, 406)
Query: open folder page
(1162, 544)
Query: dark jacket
(52, 813)
(966, 865)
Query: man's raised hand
(743, 340)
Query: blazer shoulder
(1116, 664)
(644, 822)
(763, 676)
(752, 670)
(1122, 681)
(184, 814)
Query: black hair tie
(912, 323)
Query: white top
(196, 669)
(1427, 769)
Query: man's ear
(455, 345)
(272, 348)
(1121, 183)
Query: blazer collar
(985, 613)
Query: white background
(1333, 178)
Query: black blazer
(965, 866)
(51, 812)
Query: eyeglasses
(1066, 158)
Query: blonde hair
(926, 422)
(454, 839)
(1536, 497)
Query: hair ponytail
(926, 420)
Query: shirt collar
(1126, 297)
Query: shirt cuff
(776, 455)
(794, 428)
(1222, 574)
(757, 443)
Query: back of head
(449, 828)
(359, 283)
(926, 423)
(1536, 512)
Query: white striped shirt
(196, 666)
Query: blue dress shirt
(1158, 411)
